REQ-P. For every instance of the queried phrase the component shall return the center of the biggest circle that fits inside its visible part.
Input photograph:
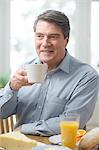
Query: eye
(53, 37)
(39, 36)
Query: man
(70, 86)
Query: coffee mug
(36, 73)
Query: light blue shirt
(71, 87)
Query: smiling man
(70, 86)
(50, 43)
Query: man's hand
(19, 79)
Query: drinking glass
(69, 125)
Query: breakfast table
(44, 143)
(41, 139)
(45, 140)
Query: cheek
(37, 46)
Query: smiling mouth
(47, 51)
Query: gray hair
(56, 17)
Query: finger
(21, 77)
(22, 72)
(18, 82)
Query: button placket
(42, 97)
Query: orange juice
(68, 133)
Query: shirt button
(39, 107)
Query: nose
(45, 41)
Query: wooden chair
(7, 125)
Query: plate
(55, 139)
(51, 147)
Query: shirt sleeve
(82, 101)
(84, 97)
(8, 101)
(44, 128)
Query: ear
(66, 40)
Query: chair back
(7, 125)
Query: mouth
(47, 51)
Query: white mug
(36, 73)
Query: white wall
(4, 36)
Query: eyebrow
(47, 34)
(51, 34)
(54, 34)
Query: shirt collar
(64, 65)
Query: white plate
(55, 139)
(55, 147)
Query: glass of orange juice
(69, 125)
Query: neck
(55, 65)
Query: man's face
(50, 43)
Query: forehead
(45, 26)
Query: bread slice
(16, 141)
(89, 140)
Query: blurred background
(17, 37)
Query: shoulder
(31, 61)
(81, 66)
(83, 71)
